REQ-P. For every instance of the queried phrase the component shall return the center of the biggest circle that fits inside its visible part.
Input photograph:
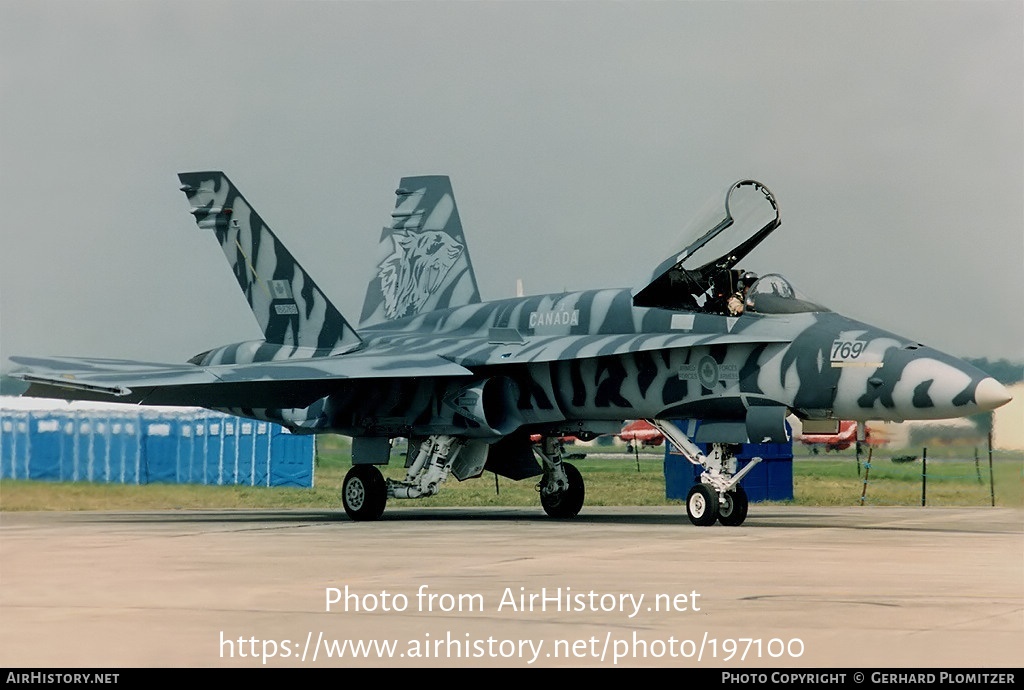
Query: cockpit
(773, 294)
(703, 277)
(736, 292)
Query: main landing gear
(561, 486)
(719, 496)
(365, 491)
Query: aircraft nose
(917, 383)
(991, 394)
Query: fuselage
(565, 362)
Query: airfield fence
(951, 481)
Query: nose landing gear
(719, 496)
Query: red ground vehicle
(640, 434)
(843, 439)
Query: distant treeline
(1003, 370)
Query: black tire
(733, 511)
(702, 505)
(364, 493)
(566, 504)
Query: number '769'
(847, 349)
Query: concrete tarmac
(851, 587)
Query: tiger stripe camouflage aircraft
(469, 382)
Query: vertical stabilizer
(422, 260)
(289, 307)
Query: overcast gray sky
(579, 136)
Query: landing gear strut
(719, 495)
(430, 468)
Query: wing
(284, 383)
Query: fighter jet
(708, 353)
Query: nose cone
(991, 394)
(917, 382)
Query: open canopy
(717, 239)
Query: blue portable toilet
(227, 471)
(769, 480)
(290, 467)
(159, 460)
(213, 470)
(245, 452)
(108, 442)
(261, 454)
(14, 439)
(44, 449)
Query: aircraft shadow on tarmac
(779, 517)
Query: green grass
(613, 480)
(941, 481)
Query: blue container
(770, 480)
